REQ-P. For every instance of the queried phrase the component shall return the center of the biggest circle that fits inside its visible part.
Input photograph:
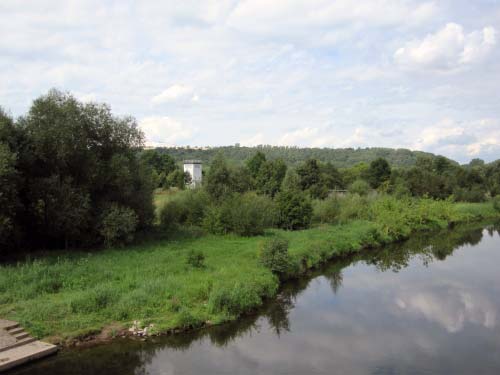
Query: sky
(423, 75)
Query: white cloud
(256, 140)
(300, 16)
(174, 92)
(458, 139)
(450, 307)
(165, 131)
(299, 137)
(235, 68)
(448, 49)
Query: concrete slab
(8, 324)
(25, 353)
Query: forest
(293, 156)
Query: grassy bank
(69, 294)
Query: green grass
(68, 294)
(474, 211)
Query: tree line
(294, 156)
(73, 174)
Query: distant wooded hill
(340, 157)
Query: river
(430, 305)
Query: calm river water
(428, 306)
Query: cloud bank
(393, 73)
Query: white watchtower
(193, 167)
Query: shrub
(474, 194)
(235, 299)
(353, 207)
(273, 254)
(249, 214)
(195, 258)
(118, 225)
(171, 215)
(187, 320)
(213, 222)
(360, 187)
(245, 214)
(326, 211)
(294, 210)
(185, 207)
(496, 203)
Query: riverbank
(72, 295)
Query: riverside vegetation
(212, 254)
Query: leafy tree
(179, 179)
(378, 172)
(295, 209)
(218, 182)
(441, 164)
(291, 181)
(161, 165)
(270, 177)
(349, 175)
(492, 178)
(476, 163)
(242, 180)
(309, 174)
(331, 177)
(75, 161)
(10, 205)
(255, 162)
(118, 225)
(360, 187)
(159, 162)
(273, 254)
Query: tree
(378, 172)
(309, 174)
(75, 160)
(255, 162)
(10, 205)
(179, 179)
(218, 182)
(295, 210)
(161, 165)
(270, 177)
(331, 177)
(360, 187)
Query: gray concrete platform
(18, 347)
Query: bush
(294, 210)
(249, 214)
(496, 203)
(326, 211)
(235, 299)
(195, 258)
(360, 187)
(353, 207)
(474, 194)
(184, 208)
(273, 254)
(118, 225)
(172, 214)
(214, 222)
(245, 214)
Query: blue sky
(415, 74)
